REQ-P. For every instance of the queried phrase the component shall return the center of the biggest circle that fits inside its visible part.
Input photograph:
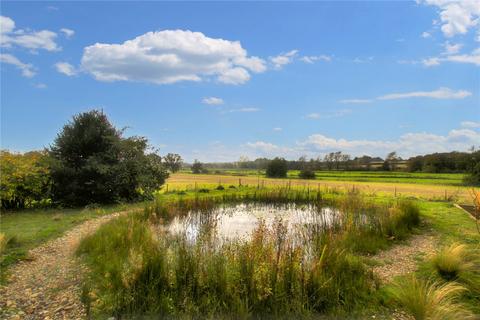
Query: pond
(239, 221)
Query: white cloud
(472, 58)
(65, 68)
(171, 56)
(431, 61)
(33, 40)
(248, 109)
(407, 145)
(363, 60)
(283, 59)
(457, 17)
(329, 114)
(426, 34)
(470, 124)
(277, 129)
(313, 59)
(40, 85)
(7, 25)
(67, 32)
(212, 101)
(27, 69)
(441, 93)
(451, 48)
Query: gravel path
(401, 259)
(47, 286)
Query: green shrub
(277, 168)
(307, 174)
(220, 187)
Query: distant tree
(473, 177)
(93, 163)
(277, 168)
(243, 162)
(329, 160)
(307, 173)
(173, 162)
(197, 167)
(24, 179)
(392, 159)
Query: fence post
(395, 191)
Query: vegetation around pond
(136, 272)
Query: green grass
(135, 272)
(27, 229)
(450, 179)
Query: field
(450, 179)
(422, 185)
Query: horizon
(258, 80)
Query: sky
(215, 81)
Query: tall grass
(134, 271)
(457, 262)
(426, 300)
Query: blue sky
(216, 81)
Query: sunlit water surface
(239, 221)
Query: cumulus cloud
(33, 40)
(66, 68)
(441, 93)
(171, 56)
(27, 69)
(212, 101)
(457, 17)
(313, 59)
(283, 59)
(67, 32)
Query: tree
(473, 170)
(94, 163)
(277, 168)
(197, 167)
(391, 160)
(24, 179)
(173, 162)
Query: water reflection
(239, 221)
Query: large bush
(277, 168)
(24, 179)
(93, 163)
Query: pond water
(239, 221)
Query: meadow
(135, 267)
(156, 273)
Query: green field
(450, 179)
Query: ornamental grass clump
(426, 300)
